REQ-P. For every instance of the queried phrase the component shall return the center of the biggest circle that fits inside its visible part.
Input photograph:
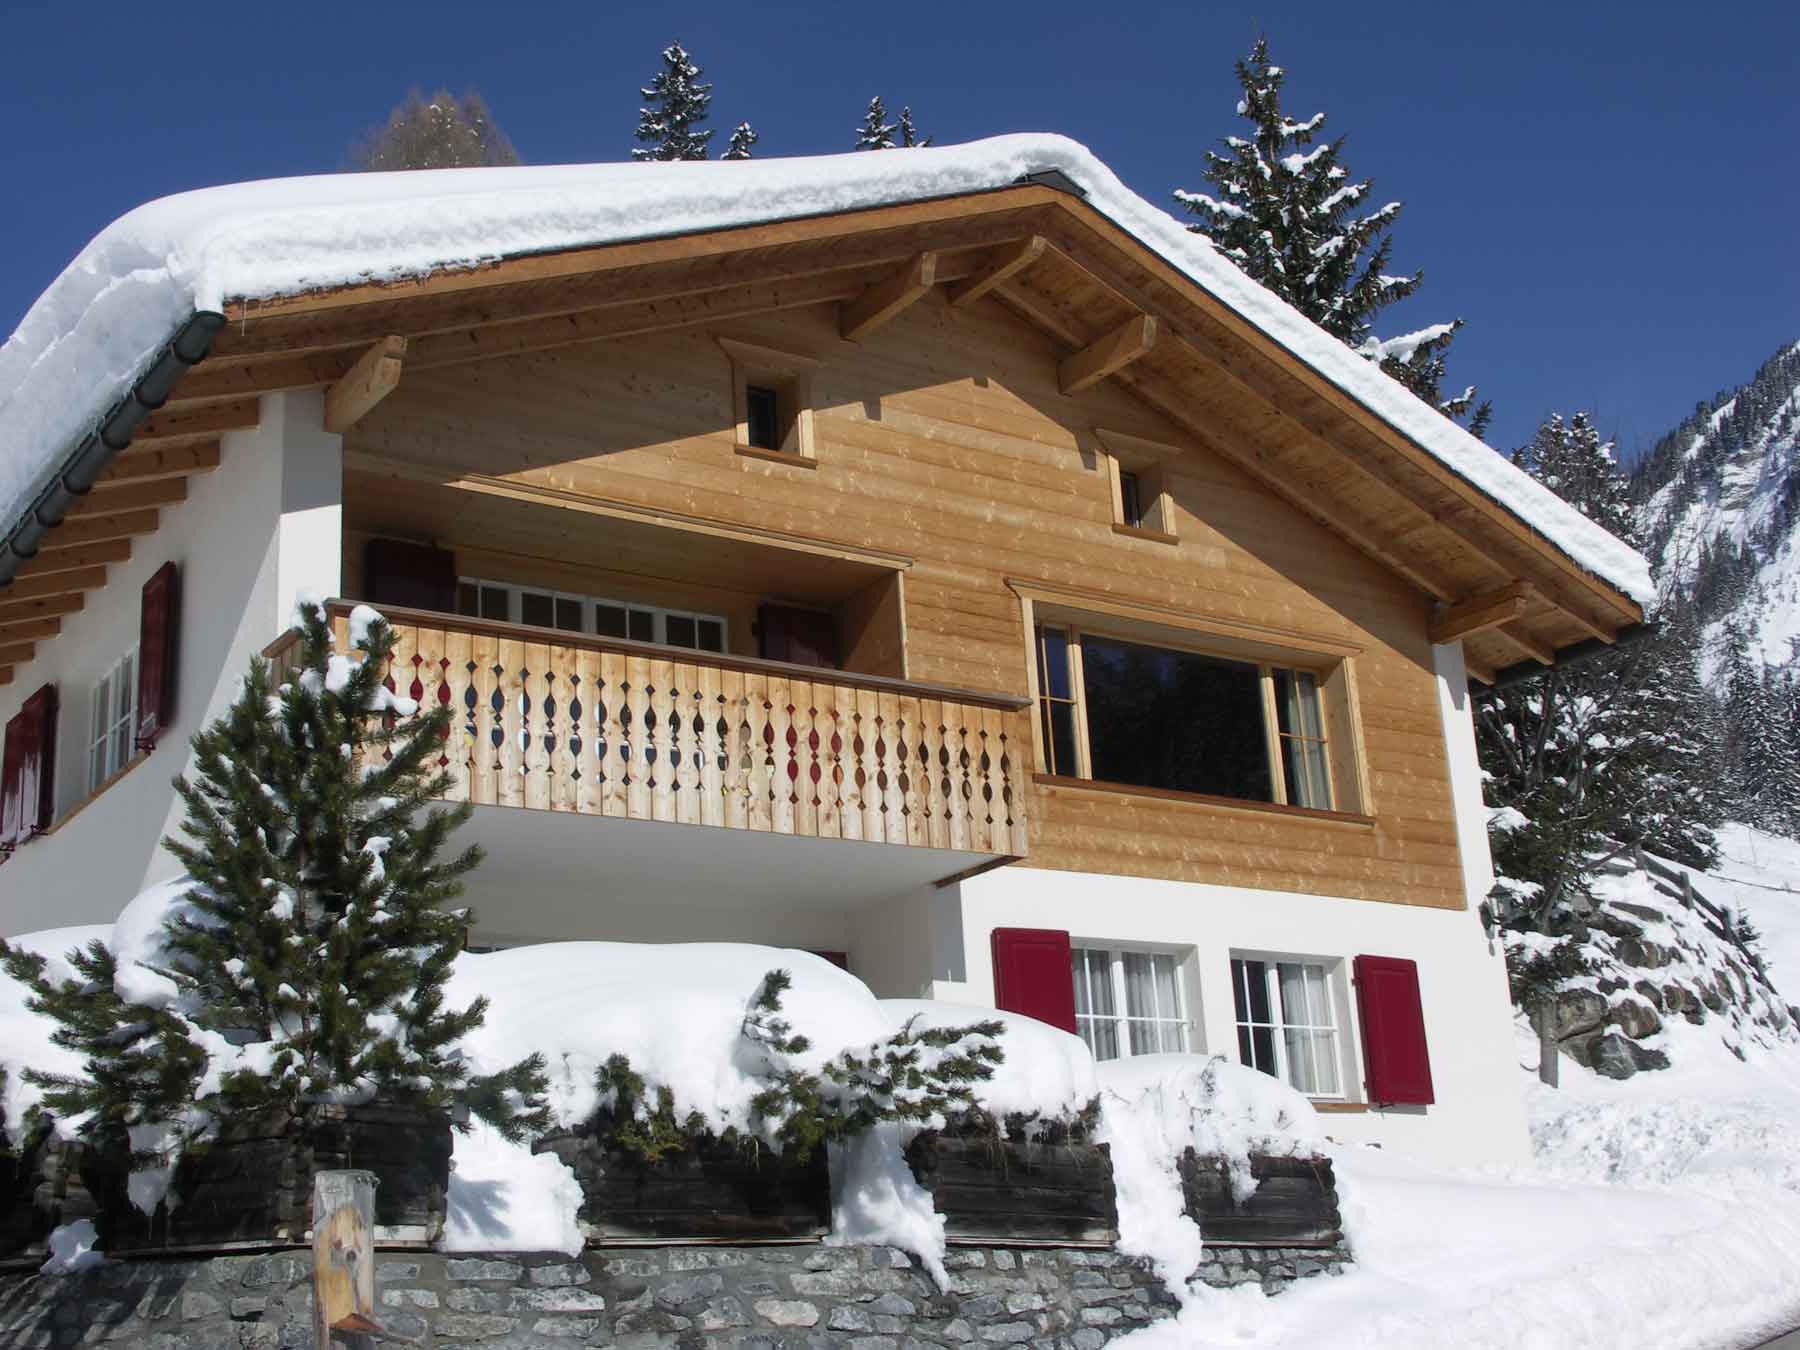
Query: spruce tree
(909, 134)
(743, 137)
(311, 962)
(1288, 213)
(876, 132)
(675, 105)
(442, 132)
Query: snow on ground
(102, 321)
(1759, 875)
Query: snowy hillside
(1720, 495)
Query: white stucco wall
(265, 523)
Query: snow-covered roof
(113, 308)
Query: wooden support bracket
(375, 375)
(1527, 642)
(1109, 355)
(1481, 612)
(1012, 261)
(859, 317)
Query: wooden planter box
(711, 1191)
(991, 1189)
(1295, 1204)
(252, 1185)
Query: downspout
(82, 469)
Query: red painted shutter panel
(158, 650)
(412, 576)
(29, 796)
(1395, 1057)
(1032, 974)
(12, 800)
(804, 637)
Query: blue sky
(1609, 194)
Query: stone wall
(694, 1298)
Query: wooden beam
(46, 607)
(214, 379)
(56, 583)
(29, 630)
(1483, 673)
(1012, 261)
(17, 654)
(49, 559)
(1478, 613)
(885, 299)
(375, 375)
(161, 461)
(198, 421)
(6, 676)
(114, 501)
(1108, 355)
(1036, 310)
(94, 529)
(1527, 642)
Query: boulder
(1650, 994)
(1576, 1011)
(1610, 1056)
(1637, 1020)
(1644, 912)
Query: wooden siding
(943, 439)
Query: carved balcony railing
(555, 721)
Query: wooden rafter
(50, 559)
(375, 375)
(201, 421)
(1109, 355)
(115, 501)
(6, 676)
(1011, 262)
(29, 630)
(1486, 674)
(153, 461)
(55, 583)
(882, 301)
(17, 654)
(1039, 312)
(97, 528)
(45, 607)
(1478, 613)
(1522, 638)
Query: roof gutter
(82, 469)
(1629, 636)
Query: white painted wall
(1465, 772)
(266, 522)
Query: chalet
(938, 559)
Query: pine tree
(743, 137)
(909, 134)
(675, 105)
(876, 132)
(1287, 214)
(320, 934)
(442, 132)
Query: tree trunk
(1548, 1051)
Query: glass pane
(1168, 719)
(1059, 737)
(468, 598)
(96, 765)
(102, 711)
(1293, 994)
(1100, 983)
(1140, 985)
(1145, 1038)
(494, 603)
(1318, 997)
(1324, 1059)
(1105, 1042)
(1053, 662)
(711, 636)
(1308, 780)
(1256, 990)
(1078, 974)
(568, 614)
(1131, 509)
(679, 630)
(1168, 1004)
(1262, 1040)
(643, 625)
(609, 620)
(760, 414)
(1300, 1061)
(537, 609)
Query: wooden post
(1687, 891)
(1548, 1051)
(343, 1256)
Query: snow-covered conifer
(743, 137)
(876, 132)
(909, 134)
(675, 103)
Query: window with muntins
(1128, 712)
(112, 720)
(572, 613)
(1286, 1025)
(1128, 1003)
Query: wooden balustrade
(557, 721)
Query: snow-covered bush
(305, 955)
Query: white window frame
(659, 614)
(1120, 1017)
(112, 731)
(1330, 975)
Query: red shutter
(412, 576)
(1032, 974)
(804, 637)
(159, 636)
(28, 793)
(1393, 1031)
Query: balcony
(578, 725)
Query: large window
(112, 716)
(590, 614)
(1128, 1003)
(1122, 711)
(1286, 1026)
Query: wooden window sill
(93, 796)
(1140, 532)
(1340, 1108)
(788, 457)
(1349, 818)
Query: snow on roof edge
(98, 324)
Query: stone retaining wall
(770, 1298)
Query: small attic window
(1131, 505)
(771, 397)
